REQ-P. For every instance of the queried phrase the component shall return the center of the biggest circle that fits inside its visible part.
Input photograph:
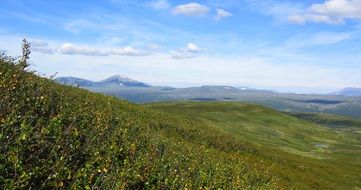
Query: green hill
(55, 136)
(263, 126)
(318, 138)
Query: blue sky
(288, 46)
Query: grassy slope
(337, 150)
(53, 136)
(348, 130)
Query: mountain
(73, 81)
(116, 80)
(120, 80)
(349, 92)
(345, 102)
(311, 103)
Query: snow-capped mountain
(116, 80)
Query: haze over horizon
(307, 46)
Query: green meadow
(328, 140)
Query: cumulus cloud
(191, 47)
(41, 46)
(190, 51)
(330, 12)
(129, 51)
(339, 8)
(221, 14)
(71, 49)
(190, 9)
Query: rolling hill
(303, 134)
(328, 139)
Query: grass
(273, 132)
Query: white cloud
(311, 17)
(190, 51)
(41, 46)
(129, 51)
(71, 49)
(221, 14)
(191, 47)
(159, 4)
(339, 8)
(190, 9)
(330, 12)
(277, 9)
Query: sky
(308, 46)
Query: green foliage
(53, 136)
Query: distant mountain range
(123, 81)
(116, 80)
(349, 92)
(345, 102)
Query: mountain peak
(120, 77)
(122, 81)
(115, 80)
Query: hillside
(56, 136)
(328, 146)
